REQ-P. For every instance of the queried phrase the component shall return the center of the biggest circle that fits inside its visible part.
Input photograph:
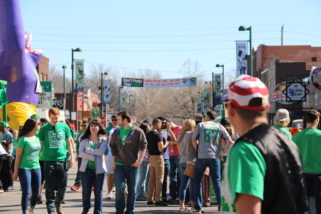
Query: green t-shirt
(54, 141)
(309, 144)
(30, 155)
(284, 130)
(91, 164)
(244, 174)
(123, 133)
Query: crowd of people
(265, 169)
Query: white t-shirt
(2, 150)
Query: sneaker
(161, 204)
(108, 196)
(92, 187)
(39, 200)
(142, 198)
(150, 203)
(59, 209)
(74, 188)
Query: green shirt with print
(54, 141)
(123, 133)
(91, 164)
(246, 171)
(284, 130)
(30, 155)
(309, 144)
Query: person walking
(207, 139)
(55, 138)
(187, 153)
(281, 121)
(27, 166)
(128, 145)
(155, 147)
(174, 174)
(77, 183)
(143, 170)
(7, 143)
(109, 157)
(92, 169)
(263, 173)
(309, 144)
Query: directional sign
(132, 82)
(296, 91)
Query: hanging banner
(79, 68)
(107, 91)
(45, 98)
(207, 98)
(165, 83)
(315, 77)
(132, 82)
(241, 58)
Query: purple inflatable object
(17, 61)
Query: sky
(133, 35)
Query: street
(10, 202)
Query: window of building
(314, 59)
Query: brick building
(43, 68)
(277, 64)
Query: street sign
(296, 91)
(45, 98)
(58, 103)
(132, 82)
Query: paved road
(10, 203)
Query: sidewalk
(10, 202)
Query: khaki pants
(156, 178)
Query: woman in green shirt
(27, 166)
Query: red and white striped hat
(244, 89)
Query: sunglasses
(114, 120)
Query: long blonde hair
(188, 125)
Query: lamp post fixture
(102, 92)
(119, 108)
(244, 28)
(64, 79)
(72, 79)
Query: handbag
(190, 165)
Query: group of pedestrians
(266, 168)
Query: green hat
(35, 116)
(4, 124)
(168, 120)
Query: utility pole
(64, 76)
(282, 31)
(213, 92)
(102, 92)
(72, 80)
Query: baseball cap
(35, 116)
(281, 114)
(4, 124)
(249, 93)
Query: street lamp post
(102, 92)
(244, 28)
(119, 108)
(64, 79)
(72, 79)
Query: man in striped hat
(263, 172)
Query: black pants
(56, 179)
(77, 180)
(6, 171)
(313, 184)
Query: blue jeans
(215, 173)
(123, 174)
(141, 179)
(56, 179)
(30, 179)
(185, 183)
(167, 168)
(174, 176)
(90, 178)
